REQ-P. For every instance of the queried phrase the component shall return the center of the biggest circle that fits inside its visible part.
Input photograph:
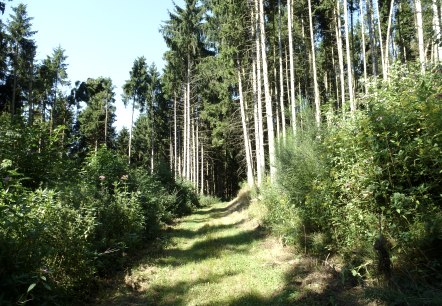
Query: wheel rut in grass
(220, 256)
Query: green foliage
(44, 245)
(104, 167)
(375, 175)
(54, 243)
(206, 200)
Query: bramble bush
(373, 176)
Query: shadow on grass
(240, 203)
(173, 294)
(305, 284)
(210, 248)
(204, 230)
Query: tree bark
(185, 139)
(105, 121)
(315, 77)
(361, 9)
(245, 131)
(292, 69)
(281, 75)
(420, 34)
(130, 130)
(374, 59)
(261, 155)
(387, 40)
(349, 61)
(340, 54)
(436, 29)
(268, 98)
(384, 71)
(175, 149)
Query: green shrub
(45, 249)
(374, 175)
(206, 200)
(103, 168)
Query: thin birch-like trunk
(105, 121)
(387, 40)
(245, 131)
(340, 54)
(152, 138)
(384, 68)
(197, 159)
(188, 153)
(292, 69)
(436, 29)
(268, 98)
(315, 77)
(349, 61)
(281, 75)
(192, 152)
(278, 129)
(361, 10)
(202, 170)
(185, 139)
(261, 164)
(256, 125)
(420, 34)
(374, 59)
(175, 149)
(131, 127)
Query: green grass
(220, 256)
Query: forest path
(220, 256)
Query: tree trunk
(192, 151)
(30, 97)
(197, 170)
(364, 59)
(292, 69)
(130, 130)
(14, 86)
(420, 34)
(374, 59)
(349, 61)
(315, 77)
(175, 149)
(384, 71)
(268, 98)
(387, 40)
(281, 75)
(340, 54)
(276, 98)
(202, 170)
(436, 29)
(257, 126)
(261, 155)
(245, 131)
(189, 122)
(105, 122)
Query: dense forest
(330, 111)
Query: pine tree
(135, 90)
(22, 53)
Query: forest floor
(221, 256)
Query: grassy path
(218, 256)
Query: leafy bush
(103, 168)
(375, 176)
(206, 200)
(44, 245)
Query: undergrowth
(367, 187)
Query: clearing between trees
(221, 256)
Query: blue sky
(101, 37)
